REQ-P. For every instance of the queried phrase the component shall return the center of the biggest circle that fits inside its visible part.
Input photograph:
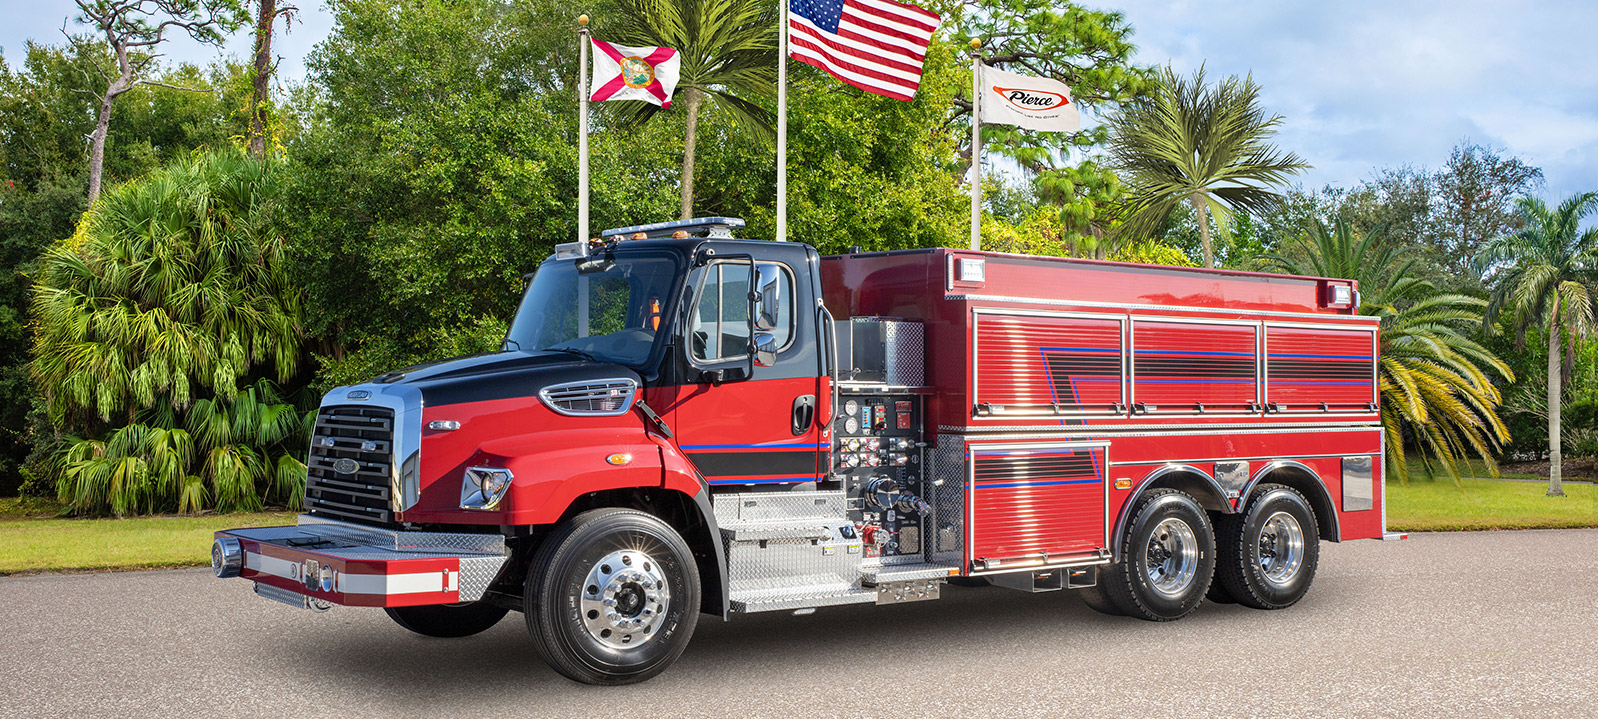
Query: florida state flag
(635, 73)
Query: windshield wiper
(580, 353)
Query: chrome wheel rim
(1171, 557)
(624, 598)
(1280, 551)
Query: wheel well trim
(707, 514)
(1333, 531)
(1149, 481)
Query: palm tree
(1207, 146)
(1545, 274)
(729, 56)
(149, 324)
(1434, 379)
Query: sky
(1362, 84)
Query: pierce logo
(1032, 100)
(359, 394)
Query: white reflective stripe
(272, 565)
(412, 583)
(416, 583)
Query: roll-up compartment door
(1048, 364)
(1036, 501)
(1194, 367)
(1319, 369)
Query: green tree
(1205, 145)
(132, 29)
(439, 165)
(1091, 52)
(162, 314)
(1545, 274)
(729, 56)
(46, 109)
(1436, 381)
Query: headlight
(483, 487)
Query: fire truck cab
(683, 423)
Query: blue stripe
(754, 446)
(1195, 352)
(1079, 349)
(1335, 357)
(764, 480)
(1039, 484)
(1146, 380)
(1358, 383)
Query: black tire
(1247, 541)
(566, 580)
(447, 620)
(1218, 593)
(1098, 600)
(1128, 584)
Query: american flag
(876, 45)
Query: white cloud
(1368, 84)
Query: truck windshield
(610, 310)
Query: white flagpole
(782, 124)
(582, 129)
(976, 146)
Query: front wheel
(612, 597)
(447, 620)
(1269, 552)
(1167, 559)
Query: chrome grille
(364, 490)
(596, 397)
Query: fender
(1310, 485)
(679, 475)
(1149, 481)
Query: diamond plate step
(906, 572)
(778, 601)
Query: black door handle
(804, 413)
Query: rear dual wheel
(1269, 552)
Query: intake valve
(909, 503)
(882, 492)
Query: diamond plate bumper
(359, 566)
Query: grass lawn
(1435, 506)
(32, 540)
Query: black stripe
(1318, 369)
(1024, 467)
(1207, 367)
(1074, 364)
(762, 463)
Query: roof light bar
(710, 226)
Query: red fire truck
(684, 423)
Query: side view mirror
(765, 349)
(767, 297)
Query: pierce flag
(1034, 103)
(635, 73)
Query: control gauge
(851, 425)
(851, 407)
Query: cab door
(746, 410)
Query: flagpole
(582, 129)
(976, 146)
(782, 124)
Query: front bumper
(331, 562)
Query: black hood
(500, 375)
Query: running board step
(873, 576)
(785, 599)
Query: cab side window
(720, 323)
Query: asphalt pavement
(1492, 624)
